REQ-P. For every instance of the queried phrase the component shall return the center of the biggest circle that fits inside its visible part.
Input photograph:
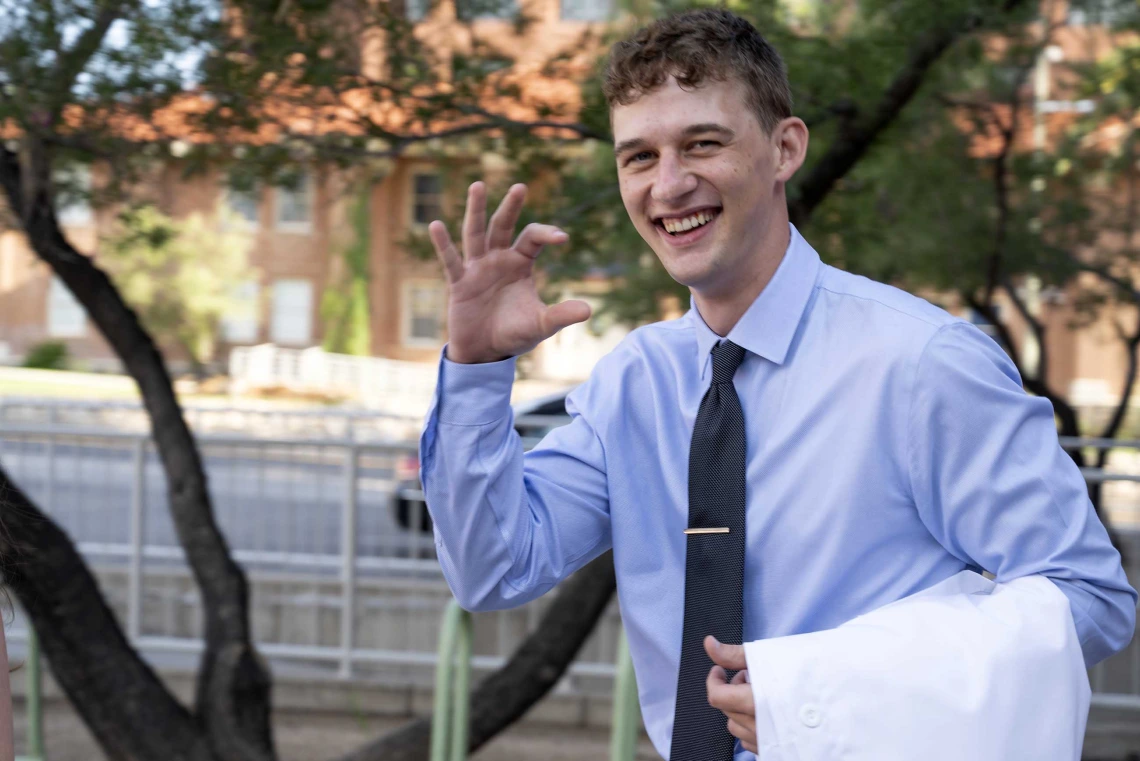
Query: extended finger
(446, 251)
(743, 719)
(475, 221)
(728, 697)
(741, 677)
(534, 236)
(559, 316)
(744, 734)
(503, 221)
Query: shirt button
(810, 716)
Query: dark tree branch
(120, 698)
(233, 685)
(852, 143)
(1123, 285)
(534, 669)
(1034, 324)
(74, 60)
(1033, 383)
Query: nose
(673, 180)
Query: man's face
(699, 159)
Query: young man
(803, 447)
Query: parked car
(534, 418)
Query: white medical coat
(967, 670)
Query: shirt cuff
(765, 670)
(474, 394)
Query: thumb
(557, 317)
(731, 657)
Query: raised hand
(494, 310)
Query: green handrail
(450, 718)
(627, 712)
(33, 697)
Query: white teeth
(687, 223)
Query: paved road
(275, 499)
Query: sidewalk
(307, 736)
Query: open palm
(494, 310)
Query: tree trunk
(233, 684)
(119, 697)
(503, 697)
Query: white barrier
(385, 384)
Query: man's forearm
(470, 415)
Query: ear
(790, 139)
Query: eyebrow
(692, 129)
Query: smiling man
(800, 449)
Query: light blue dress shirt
(890, 446)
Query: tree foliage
(265, 86)
(180, 276)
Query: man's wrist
(460, 357)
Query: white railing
(250, 419)
(336, 581)
(387, 384)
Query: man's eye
(639, 157)
(701, 144)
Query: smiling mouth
(678, 226)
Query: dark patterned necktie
(714, 559)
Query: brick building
(294, 233)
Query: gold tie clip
(706, 531)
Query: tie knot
(726, 357)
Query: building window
(587, 10)
(244, 204)
(292, 320)
(472, 10)
(73, 190)
(427, 198)
(295, 205)
(240, 324)
(1093, 12)
(423, 314)
(65, 315)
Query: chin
(689, 276)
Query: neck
(722, 307)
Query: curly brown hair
(710, 44)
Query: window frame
(413, 196)
(508, 16)
(592, 20)
(257, 194)
(58, 294)
(228, 321)
(294, 226)
(78, 213)
(407, 317)
(274, 337)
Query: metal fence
(338, 586)
(248, 421)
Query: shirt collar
(769, 324)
